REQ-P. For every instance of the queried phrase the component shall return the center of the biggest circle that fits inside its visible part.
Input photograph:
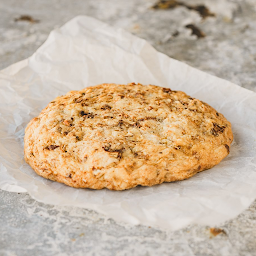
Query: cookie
(121, 136)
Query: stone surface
(228, 50)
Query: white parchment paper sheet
(87, 52)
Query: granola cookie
(121, 136)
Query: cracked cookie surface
(120, 136)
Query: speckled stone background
(223, 44)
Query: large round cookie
(120, 136)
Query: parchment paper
(87, 52)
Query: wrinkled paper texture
(87, 52)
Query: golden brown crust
(120, 136)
